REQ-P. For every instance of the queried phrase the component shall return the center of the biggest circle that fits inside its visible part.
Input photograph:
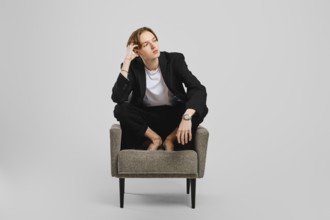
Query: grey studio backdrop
(266, 68)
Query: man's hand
(184, 132)
(130, 54)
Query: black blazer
(175, 73)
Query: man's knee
(122, 110)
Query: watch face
(186, 117)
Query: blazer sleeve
(122, 88)
(196, 92)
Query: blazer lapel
(141, 76)
(163, 66)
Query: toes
(169, 146)
(155, 144)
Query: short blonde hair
(135, 36)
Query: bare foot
(155, 144)
(169, 145)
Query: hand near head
(130, 54)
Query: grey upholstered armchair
(188, 164)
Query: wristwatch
(186, 117)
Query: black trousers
(134, 122)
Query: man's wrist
(186, 117)
(190, 111)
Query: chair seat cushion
(140, 163)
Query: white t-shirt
(157, 92)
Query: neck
(151, 64)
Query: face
(149, 46)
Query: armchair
(188, 164)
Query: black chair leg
(121, 191)
(188, 185)
(193, 192)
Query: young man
(160, 111)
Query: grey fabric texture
(139, 163)
(115, 142)
(201, 141)
(157, 163)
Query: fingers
(184, 136)
(130, 54)
(132, 46)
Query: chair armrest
(115, 145)
(201, 141)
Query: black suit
(175, 74)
